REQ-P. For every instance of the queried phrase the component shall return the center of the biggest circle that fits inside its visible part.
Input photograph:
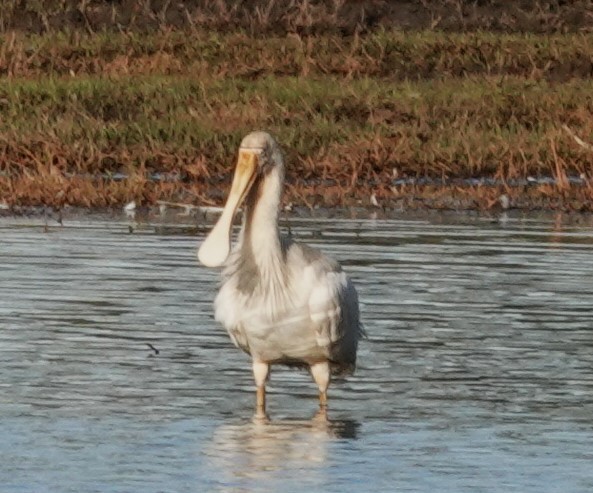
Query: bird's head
(259, 154)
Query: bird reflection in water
(269, 449)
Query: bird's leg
(321, 375)
(260, 372)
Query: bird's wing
(326, 306)
(331, 299)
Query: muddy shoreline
(570, 194)
(445, 202)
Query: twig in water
(156, 351)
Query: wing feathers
(325, 307)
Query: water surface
(477, 374)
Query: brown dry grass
(352, 112)
(265, 17)
(389, 55)
(349, 136)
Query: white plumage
(280, 301)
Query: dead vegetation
(303, 17)
(110, 108)
(390, 55)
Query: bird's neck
(260, 234)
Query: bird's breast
(269, 327)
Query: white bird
(280, 301)
(130, 209)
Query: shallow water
(477, 374)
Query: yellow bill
(216, 247)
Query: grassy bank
(395, 55)
(356, 115)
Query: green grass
(351, 108)
(462, 126)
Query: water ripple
(477, 372)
